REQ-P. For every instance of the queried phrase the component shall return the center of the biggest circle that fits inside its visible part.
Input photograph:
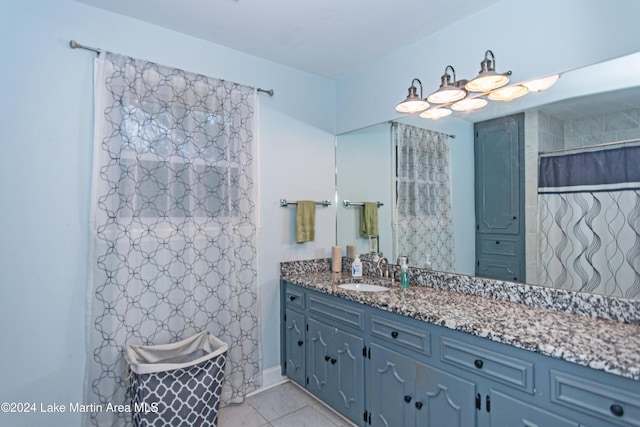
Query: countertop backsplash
(591, 305)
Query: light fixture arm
(446, 78)
(488, 64)
(414, 88)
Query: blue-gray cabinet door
(335, 367)
(349, 374)
(498, 153)
(319, 359)
(391, 388)
(295, 346)
(443, 400)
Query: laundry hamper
(177, 384)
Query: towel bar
(284, 203)
(347, 203)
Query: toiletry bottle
(356, 267)
(428, 263)
(404, 273)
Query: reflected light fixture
(469, 104)
(413, 103)
(538, 85)
(508, 93)
(448, 91)
(488, 79)
(435, 113)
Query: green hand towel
(369, 219)
(305, 221)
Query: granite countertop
(600, 344)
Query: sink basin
(363, 287)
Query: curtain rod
(75, 45)
(450, 135)
(588, 147)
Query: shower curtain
(173, 223)
(423, 224)
(589, 222)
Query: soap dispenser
(404, 273)
(356, 267)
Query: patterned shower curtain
(589, 222)
(173, 223)
(423, 224)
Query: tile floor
(286, 405)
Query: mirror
(365, 158)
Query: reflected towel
(305, 221)
(369, 219)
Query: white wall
(45, 171)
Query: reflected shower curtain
(589, 222)
(173, 223)
(423, 225)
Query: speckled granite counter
(601, 344)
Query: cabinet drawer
(498, 245)
(333, 308)
(492, 364)
(508, 411)
(295, 297)
(595, 398)
(407, 336)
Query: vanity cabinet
(379, 368)
(327, 358)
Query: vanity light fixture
(448, 91)
(463, 95)
(488, 79)
(413, 103)
(508, 93)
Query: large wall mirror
(590, 106)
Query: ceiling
(331, 38)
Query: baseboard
(271, 377)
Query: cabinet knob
(300, 343)
(407, 399)
(394, 334)
(327, 358)
(419, 405)
(497, 242)
(292, 298)
(616, 410)
(478, 363)
(333, 361)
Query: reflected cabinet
(499, 195)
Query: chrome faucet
(386, 267)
